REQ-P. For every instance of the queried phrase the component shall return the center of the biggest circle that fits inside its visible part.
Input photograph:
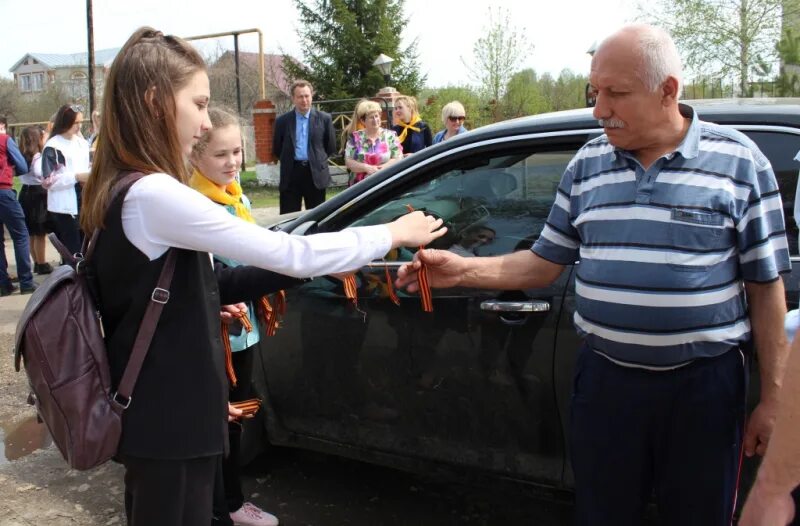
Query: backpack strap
(158, 298)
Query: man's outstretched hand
(445, 270)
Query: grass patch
(268, 196)
(260, 196)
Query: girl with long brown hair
(33, 198)
(174, 430)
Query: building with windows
(35, 72)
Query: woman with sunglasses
(453, 116)
(65, 163)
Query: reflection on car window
(780, 149)
(491, 205)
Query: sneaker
(7, 290)
(251, 515)
(28, 289)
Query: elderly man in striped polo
(679, 229)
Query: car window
(781, 149)
(491, 204)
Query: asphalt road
(304, 488)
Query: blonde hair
(139, 130)
(363, 108)
(366, 107)
(409, 101)
(453, 109)
(220, 118)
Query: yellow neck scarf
(410, 126)
(230, 196)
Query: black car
(483, 383)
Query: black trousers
(301, 188)
(169, 492)
(228, 496)
(676, 434)
(67, 230)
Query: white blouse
(34, 176)
(159, 212)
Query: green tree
(9, 99)
(722, 38)
(529, 93)
(342, 38)
(496, 54)
(568, 91)
(524, 96)
(788, 49)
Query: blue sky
(561, 31)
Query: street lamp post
(384, 65)
(387, 93)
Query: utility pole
(90, 56)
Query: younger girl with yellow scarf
(216, 159)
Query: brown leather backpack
(60, 340)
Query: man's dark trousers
(12, 216)
(677, 432)
(301, 188)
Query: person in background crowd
(65, 163)
(413, 133)
(33, 198)
(304, 139)
(174, 430)
(679, 277)
(371, 148)
(11, 215)
(216, 159)
(95, 131)
(453, 117)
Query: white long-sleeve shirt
(34, 175)
(159, 212)
(61, 197)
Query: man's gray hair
(659, 57)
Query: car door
(469, 384)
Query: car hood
(277, 222)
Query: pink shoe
(251, 515)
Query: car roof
(745, 111)
(772, 111)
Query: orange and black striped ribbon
(422, 278)
(351, 289)
(272, 316)
(226, 342)
(390, 287)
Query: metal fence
(729, 88)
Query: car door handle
(515, 306)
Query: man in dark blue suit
(304, 139)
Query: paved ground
(302, 488)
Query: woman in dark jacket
(414, 133)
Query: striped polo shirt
(664, 251)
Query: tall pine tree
(342, 38)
